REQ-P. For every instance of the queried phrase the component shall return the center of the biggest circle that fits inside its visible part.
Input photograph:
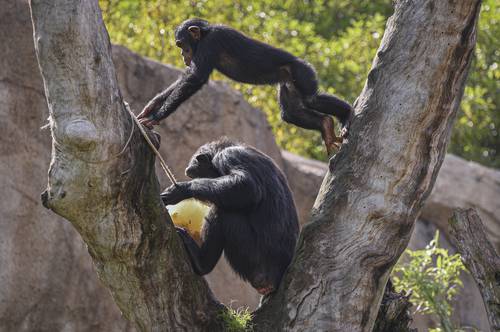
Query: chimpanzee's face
(186, 38)
(186, 51)
(201, 166)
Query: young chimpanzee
(253, 217)
(206, 47)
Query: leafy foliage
(476, 134)
(339, 38)
(237, 320)
(433, 278)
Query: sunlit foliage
(432, 276)
(237, 320)
(339, 38)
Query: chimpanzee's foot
(333, 148)
(332, 142)
(344, 131)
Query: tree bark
(394, 313)
(102, 179)
(469, 237)
(366, 208)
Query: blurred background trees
(339, 38)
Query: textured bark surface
(102, 179)
(480, 258)
(367, 205)
(394, 313)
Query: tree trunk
(366, 208)
(102, 180)
(479, 255)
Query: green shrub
(433, 278)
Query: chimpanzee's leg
(250, 256)
(329, 104)
(304, 79)
(293, 111)
(204, 258)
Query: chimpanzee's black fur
(247, 60)
(253, 218)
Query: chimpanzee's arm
(204, 258)
(237, 190)
(190, 82)
(155, 103)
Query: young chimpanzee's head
(200, 165)
(187, 36)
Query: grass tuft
(237, 320)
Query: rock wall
(47, 281)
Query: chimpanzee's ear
(203, 158)
(195, 32)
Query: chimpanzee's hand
(147, 114)
(151, 108)
(344, 131)
(183, 233)
(185, 237)
(176, 193)
(346, 124)
(148, 122)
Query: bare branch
(469, 237)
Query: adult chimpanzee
(206, 47)
(253, 217)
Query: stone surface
(459, 184)
(465, 184)
(47, 281)
(305, 177)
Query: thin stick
(163, 164)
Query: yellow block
(189, 214)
